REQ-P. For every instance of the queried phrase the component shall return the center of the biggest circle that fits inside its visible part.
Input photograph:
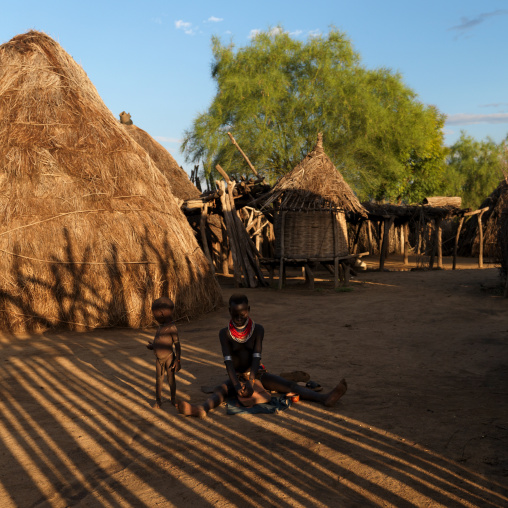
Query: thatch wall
(90, 233)
(178, 179)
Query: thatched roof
(178, 179)
(90, 233)
(315, 184)
(497, 202)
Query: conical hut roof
(315, 184)
(90, 233)
(178, 179)
(497, 202)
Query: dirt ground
(424, 422)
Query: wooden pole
(243, 240)
(357, 237)
(406, 243)
(369, 233)
(456, 245)
(233, 245)
(335, 251)
(480, 233)
(204, 240)
(281, 265)
(439, 242)
(253, 169)
(386, 238)
(433, 245)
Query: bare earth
(424, 422)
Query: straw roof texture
(90, 233)
(178, 179)
(497, 202)
(315, 184)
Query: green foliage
(277, 93)
(474, 169)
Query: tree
(474, 169)
(277, 93)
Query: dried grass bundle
(315, 184)
(180, 183)
(90, 233)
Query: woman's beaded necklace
(243, 334)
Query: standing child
(166, 348)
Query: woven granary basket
(311, 234)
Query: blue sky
(153, 58)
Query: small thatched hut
(311, 203)
(90, 233)
(180, 183)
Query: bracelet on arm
(228, 358)
(256, 355)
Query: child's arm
(178, 351)
(149, 345)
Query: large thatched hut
(180, 183)
(311, 203)
(90, 233)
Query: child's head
(163, 309)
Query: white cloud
(165, 139)
(254, 32)
(213, 19)
(314, 33)
(185, 26)
(296, 33)
(467, 119)
(158, 21)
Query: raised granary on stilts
(90, 232)
(310, 207)
(314, 199)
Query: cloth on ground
(276, 404)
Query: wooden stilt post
(456, 244)
(480, 240)
(281, 265)
(406, 243)
(309, 277)
(439, 241)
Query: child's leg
(200, 410)
(159, 380)
(171, 378)
(281, 385)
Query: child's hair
(163, 302)
(238, 299)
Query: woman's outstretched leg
(281, 385)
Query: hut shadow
(67, 292)
(76, 426)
